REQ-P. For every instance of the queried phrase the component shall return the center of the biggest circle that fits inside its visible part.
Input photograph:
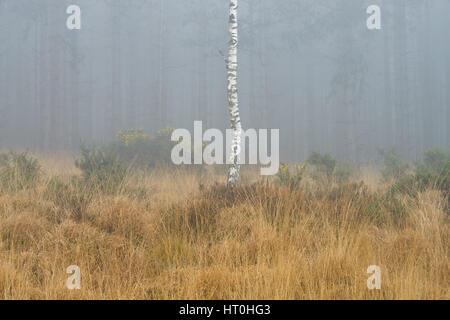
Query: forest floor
(180, 234)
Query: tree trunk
(161, 90)
(233, 102)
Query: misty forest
(92, 91)
(310, 68)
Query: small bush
(394, 166)
(324, 164)
(101, 168)
(18, 171)
(436, 160)
(407, 185)
(291, 179)
(327, 169)
(432, 173)
(138, 149)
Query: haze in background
(308, 67)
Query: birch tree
(233, 102)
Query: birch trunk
(162, 93)
(233, 102)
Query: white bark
(233, 102)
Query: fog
(310, 68)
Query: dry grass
(258, 242)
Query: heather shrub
(137, 149)
(101, 169)
(326, 169)
(18, 171)
(435, 170)
(394, 167)
(289, 178)
(324, 164)
(432, 173)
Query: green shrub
(101, 168)
(324, 163)
(378, 208)
(135, 148)
(394, 166)
(432, 173)
(406, 185)
(18, 171)
(436, 160)
(291, 179)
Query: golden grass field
(188, 238)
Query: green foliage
(101, 168)
(436, 161)
(326, 168)
(379, 208)
(323, 163)
(394, 166)
(18, 171)
(135, 148)
(289, 178)
(433, 173)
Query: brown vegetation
(180, 234)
